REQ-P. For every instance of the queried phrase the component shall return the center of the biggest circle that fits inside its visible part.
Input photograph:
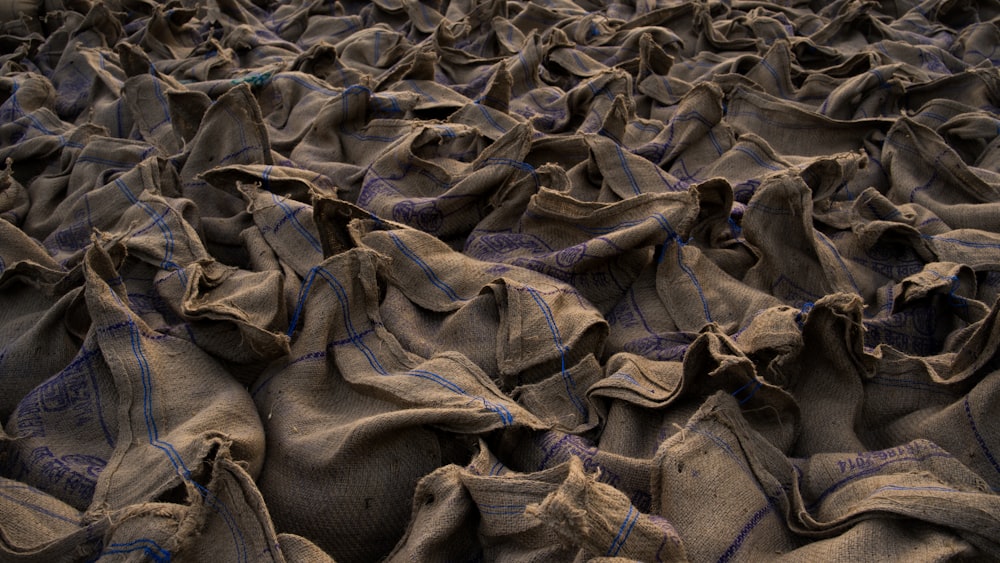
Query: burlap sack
(39, 527)
(487, 511)
(778, 504)
(37, 307)
(386, 415)
(548, 372)
(439, 179)
(120, 412)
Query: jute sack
(778, 505)
(36, 305)
(538, 339)
(111, 386)
(37, 527)
(657, 396)
(80, 79)
(126, 444)
(222, 515)
(487, 511)
(386, 416)
(439, 178)
(926, 171)
(946, 398)
(191, 305)
(859, 398)
(345, 139)
(600, 248)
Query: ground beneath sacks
(499, 280)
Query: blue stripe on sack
(529, 80)
(412, 84)
(671, 234)
(168, 236)
(756, 385)
(757, 159)
(836, 254)
(596, 91)
(356, 338)
(150, 547)
(905, 488)
(303, 293)
(872, 470)
(234, 529)
(628, 171)
(489, 118)
(708, 125)
(623, 533)
(741, 464)
(307, 85)
(290, 214)
(777, 79)
(694, 280)
(158, 92)
(960, 242)
(502, 411)
(687, 176)
(501, 509)
(744, 533)
(35, 507)
(518, 164)
(152, 432)
(567, 378)
(428, 271)
(979, 437)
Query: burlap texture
(499, 280)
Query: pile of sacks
(499, 280)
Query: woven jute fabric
(497, 280)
